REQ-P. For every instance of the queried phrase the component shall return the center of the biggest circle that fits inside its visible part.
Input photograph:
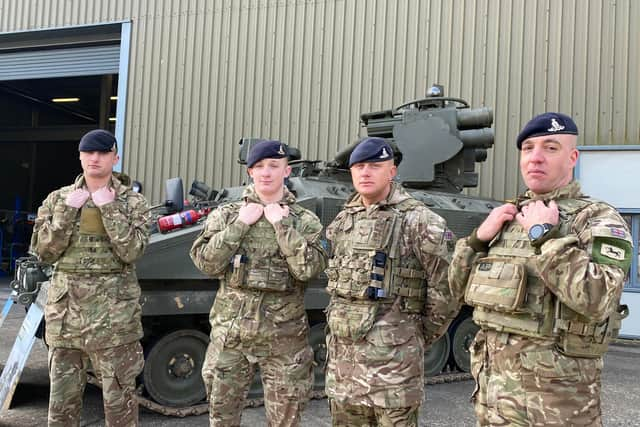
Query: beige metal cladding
(205, 73)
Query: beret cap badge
(98, 140)
(547, 124)
(371, 149)
(266, 149)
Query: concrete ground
(445, 404)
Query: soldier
(92, 232)
(544, 274)
(390, 298)
(263, 250)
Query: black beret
(266, 150)
(98, 140)
(369, 150)
(547, 124)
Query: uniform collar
(250, 195)
(116, 184)
(395, 196)
(569, 191)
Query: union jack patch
(616, 232)
(448, 235)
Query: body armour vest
(508, 297)
(259, 264)
(366, 263)
(90, 249)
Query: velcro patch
(617, 232)
(611, 232)
(612, 252)
(448, 235)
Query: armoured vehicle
(437, 140)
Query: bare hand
(77, 198)
(103, 196)
(250, 213)
(274, 212)
(494, 222)
(537, 212)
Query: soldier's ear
(574, 156)
(393, 172)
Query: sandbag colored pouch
(497, 283)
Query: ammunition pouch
(270, 274)
(371, 268)
(259, 263)
(497, 283)
(349, 278)
(506, 295)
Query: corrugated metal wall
(205, 73)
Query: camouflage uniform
(92, 312)
(258, 316)
(546, 314)
(382, 314)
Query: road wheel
(173, 366)
(435, 359)
(463, 336)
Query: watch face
(536, 231)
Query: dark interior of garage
(41, 122)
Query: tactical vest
(90, 249)
(508, 296)
(259, 264)
(371, 267)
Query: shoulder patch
(610, 231)
(612, 252)
(612, 246)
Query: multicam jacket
(566, 291)
(263, 270)
(389, 296)
(93, 296)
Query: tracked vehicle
(437, 139)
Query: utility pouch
(590, 340)
(497, 283)
(91, 222)
(238, 266)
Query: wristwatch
(538, 231)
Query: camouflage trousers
(345, 415)
(384, 369)
(115, 367)
(523, 381)
(286, 378)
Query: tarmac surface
(445, 404)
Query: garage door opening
(41, 124)
(55, 85)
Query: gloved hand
(103, 196)
(77, 198)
